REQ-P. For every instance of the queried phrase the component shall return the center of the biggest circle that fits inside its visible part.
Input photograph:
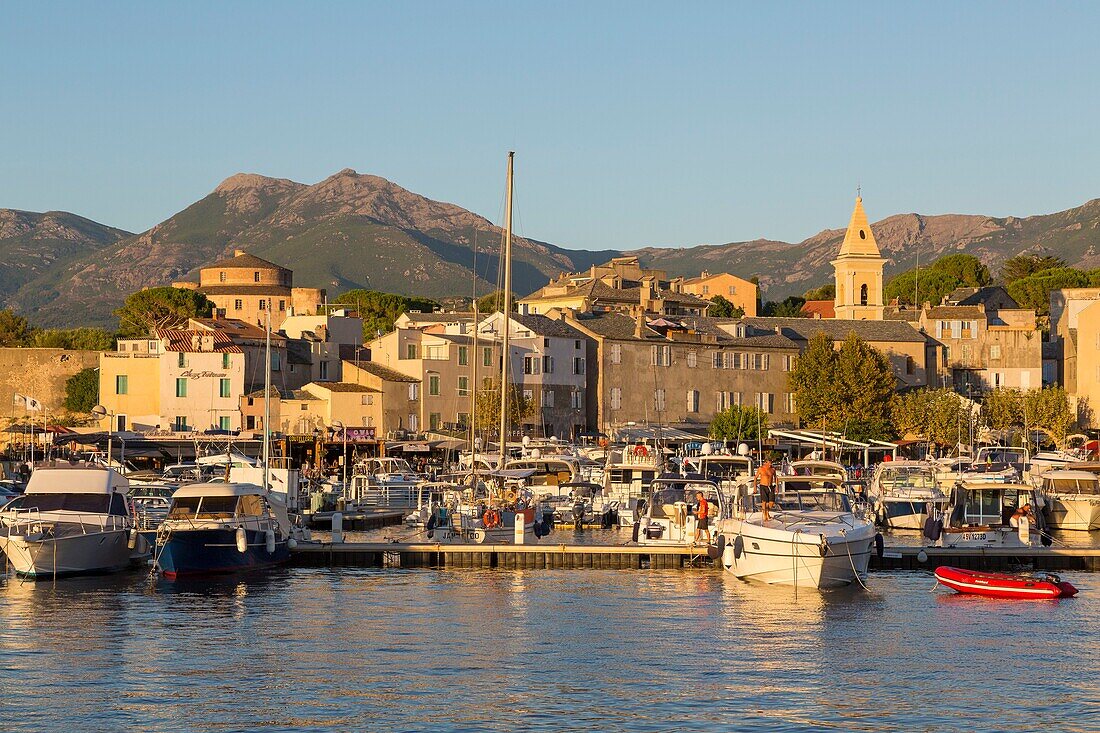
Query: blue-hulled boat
(222, 527)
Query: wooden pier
(633, 557)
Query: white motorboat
(547, 470)
(733, 473)
(980, 514)
(830, 469)
(481, 514)
(73, 519)
(1072, 499)
(813, 538)
(627, 477)
(671, 516)
(902, 494)
(384, 482)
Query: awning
(416, 448)
(632, 433)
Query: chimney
(238, 252)
(639, 325)
(704, 273)
(195, 341)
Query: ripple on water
(538, 650)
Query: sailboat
(499, 509)
(225, 526)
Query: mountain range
(362, 231)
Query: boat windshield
(682, 493)
(724, 467)
(914, 477)
(212, 507)
(814, 501)
(83, 503)
(1073, 485)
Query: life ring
(603, 442)
(510, 496)
(491, 519)
(641, 450)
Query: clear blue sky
(634, 123)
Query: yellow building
(742, 293)
(1086, 389)
(858, 270)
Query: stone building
(549, 364)
(248, 288)
(40, 373)
(1075, 339)
(681, 372)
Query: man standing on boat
(765, 479)
(702, 517)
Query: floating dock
(358, 521)
(615, 557)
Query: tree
(1020, 266)
(165, 307)
(1049, 410)
(1033, 291)
(487, 402)
(825, 292)
(1002, 409)
(789, 307)
(79, 339)
(740, 423)
(723, 308)
(848, 390)
(939, 415)
(493, 302)
(930, 285)
(82, 391)
(379, 310)
(968, 269)
(14, 329)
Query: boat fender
(637, 530)
(132, 540)
(880, 545)
(242, 540)
(729, 556)
(824, 546)
(292, 544)
(717, 550)
(933, 528)
(1046, 539)
(1039, 503)
(738, 547)
(431, 524)
(269, 541)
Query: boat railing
(32, 517)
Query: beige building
(178, 380)
(322, 339)
(858, 271)
(742, 293)
(681, 373)
(442, 364)
(1074, 327)
(249, 288)
(315, 407)
(621, 285)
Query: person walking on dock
(765, 479)
(702, 517)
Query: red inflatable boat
(1004, 585)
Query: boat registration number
(975, 536)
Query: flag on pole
(19, 400)
(32, 404)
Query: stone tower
(858, 270)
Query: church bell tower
(858, 270)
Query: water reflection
(450, 650)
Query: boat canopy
(217, 488)
(65, 478)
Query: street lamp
(102, 412)
(338, 425)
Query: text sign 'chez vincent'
(192, 374)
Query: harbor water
(461, 650)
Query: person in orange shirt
(702, 517)
(765, 480)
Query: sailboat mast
(504, 371)
(473, 390)
(267, 400)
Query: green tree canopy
(1046, 410)
(723, 308)
(493, 302)
(1021, 266)
(968, 269)
(825, 292)
(82, 391)
(379, 310)
(740, 422)
(939, 415)
(930, 286)
(80, 339)
(14, 329)
(165, 307)
(789, 307)
(849, 390)
(1033, 291)
(487, 400)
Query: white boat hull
(798, 559)
(97, 552)
(1074, 513)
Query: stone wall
(40, 373)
